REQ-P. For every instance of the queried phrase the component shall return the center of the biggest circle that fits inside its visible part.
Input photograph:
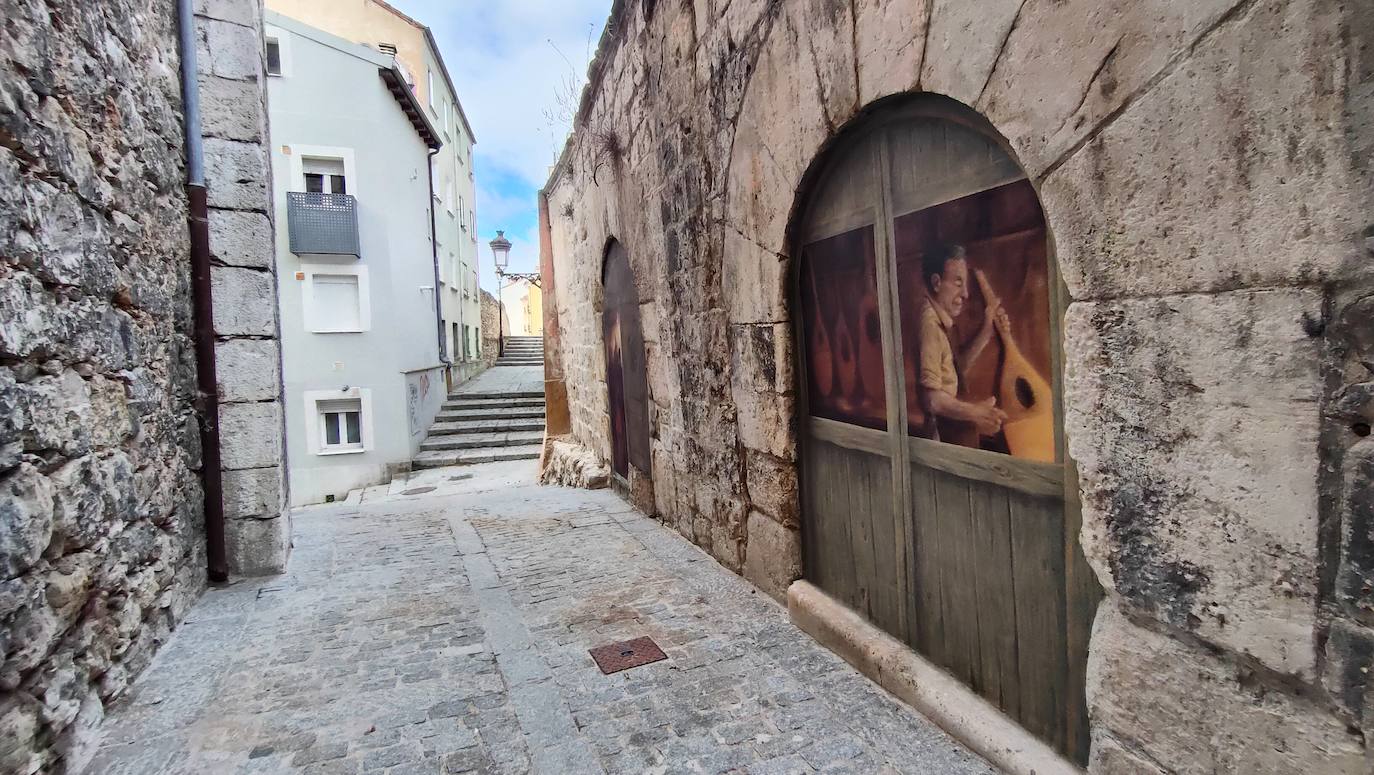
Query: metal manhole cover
(418, 491)
(614, 657)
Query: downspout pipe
(434, 249)
(207, 388)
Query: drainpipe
(434, 248)
(207, 399)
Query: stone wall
(1204, 169)
(102, 544)
(491, 316)
(233, 93)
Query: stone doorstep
(911, 678)
(480, 440)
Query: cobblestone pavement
(447, 632)
(505, 379)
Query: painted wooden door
(626, 377)
(938, 500)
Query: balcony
(325, 224)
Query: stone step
(490, 403)
(467, 457)
(463, 395)
(487, 426)
(518, 363)
(478, 440)
(505, 413)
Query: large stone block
(773, 486)
(241, 238)
(245, 302)
(1202, 184)
(1197, 714)
(1066, 66)
(963, 43)
(889, 39)
(245, 12)
(250, 435)
(236, 175)
(1194, 423)
(254, 492)
(248, 369)
(228, 109)
(258, 547)
(767, 422)
(1110, 757)
(228, 50)
(772, 559)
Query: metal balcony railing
(322, 223)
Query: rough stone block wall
(101, 530)
(491, 316)
(1205, 171)
(233, 93)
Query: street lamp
(500, 254)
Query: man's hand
(988, 417)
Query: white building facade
(363, 372)
(381, 27)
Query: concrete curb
(967, 717)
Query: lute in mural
(1022, 393)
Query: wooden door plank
(996, 595)
(958, 598)
(860, 523)
(1026, 476)
(1037, 535)
(888, 564)
(925, 620)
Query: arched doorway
(626, 379)
(938, 499)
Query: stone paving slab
(508, 379)
(447, 632)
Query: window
(454, 341)
(277, 51)
(336, 299)
(341, 425)
(273, 56)
(429, 81)
(324, 176)
(338, 422)
(466, 351)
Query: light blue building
(362, 369)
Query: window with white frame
(273, 56)
(338, 422)
(429, 81)
(340, 425)
(336, 299)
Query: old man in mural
(943, 359)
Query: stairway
(497, 415)
(522, 351)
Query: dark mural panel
(626, 376)
(974, 293)
(844, 354)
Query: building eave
(396, 84)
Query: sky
(504, 57)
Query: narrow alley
(441, 624)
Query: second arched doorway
(626, 377)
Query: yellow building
(522, 305)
